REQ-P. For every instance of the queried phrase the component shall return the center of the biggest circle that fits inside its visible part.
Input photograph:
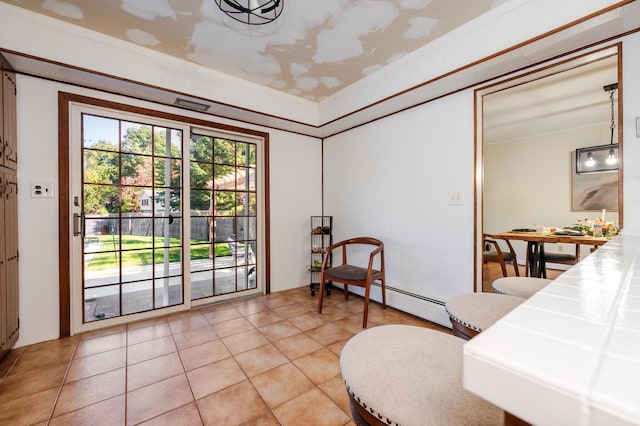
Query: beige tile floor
(263, 360)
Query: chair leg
(366, 306)
(384, 294)
(346, 292)
(321, 294)
(504, 269)
(515, 267)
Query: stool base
(462, 331)
(511, 420)
(361, 416)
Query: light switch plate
(455, 198)
(41, 190)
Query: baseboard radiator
(415, 304)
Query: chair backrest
(363, 241)
(488, 240)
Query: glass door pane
(223, 216)
(132, 209)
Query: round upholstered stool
(473, 312)
(519, 286)
(408, 375)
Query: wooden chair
(354, 275)
(498, 255)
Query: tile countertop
(569, 355)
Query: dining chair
(563, 258)
(349, 274)
(493, 253)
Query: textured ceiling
(314, 49)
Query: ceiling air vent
(191, 104)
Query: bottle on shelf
(321, 239)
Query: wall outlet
(455, 198)
(41, 190)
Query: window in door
(223, 201)
(132, 208)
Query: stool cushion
(408, 375)
(519, 286)
(479, 311)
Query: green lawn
(138, 250)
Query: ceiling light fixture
(603, 158)
(252, 12)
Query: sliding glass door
(131, 208)
(223, 204)
(146, 194)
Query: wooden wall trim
(64, 242)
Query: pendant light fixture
(252, 12)
(612, 159)
(602, 158)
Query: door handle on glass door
(78, 225)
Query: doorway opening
(529, 127)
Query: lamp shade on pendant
(597, 159)
(603, 158)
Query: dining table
(535, 245)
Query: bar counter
(570, 354)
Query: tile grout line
(289, 361)
(233, 356)
(185, 374)
(15, 361)
(245, 309)
(64, 379)
(126, 372)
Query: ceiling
(314, 49)
(318, 47)
(564, 97)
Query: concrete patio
(103, 296)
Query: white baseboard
(414, 304)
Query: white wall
(528, 182)
(296, 188)
(37, 117)
(295, 195)
(391, 180)
(631, 105)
